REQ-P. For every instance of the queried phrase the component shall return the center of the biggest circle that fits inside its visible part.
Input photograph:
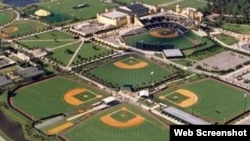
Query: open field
(229, 40)
(21, 27)
(217, 101)
(180, 42)
(148, 129)
(238, 28)
(6, 16)
(155, 2)
(120, 71)
(63, 10)
(48, 97)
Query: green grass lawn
(183, 62)
(238, 28)
(6, 17)
(229, 40)
(136, 77)
(217, 101)
(46, 97)
(48, 40)
(89, 51)
(22, 27)
(155, 2)
(63, 10)
(202, 54)
(62, 56)
(93, 129)
(180, 41)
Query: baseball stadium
(209, 99)
(163, 32)
(120, 123)
(47, 99)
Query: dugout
(183, 116)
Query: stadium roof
(185, 116)
(144, 93)
(170, 53)
(29, 72)
(114, 15)
(4, 81)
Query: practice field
(238, 28)
(63, 10)
(171, 4)
(208, 99)
(229, 40)
(180, 41)
(21, 27)
(54, 96)
(120, 123)
(6, 17)
(131, 70)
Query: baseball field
(132, 70)
(21, 27)
(63, 10)
(6, 16)
(55, 95)
(120, 123)
(187, 40)
(208, 98)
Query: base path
(69, 96)
(122, 65)
(157, 34)
(108, 120)
(192, 98)
(60, 128)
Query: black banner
(200, 132)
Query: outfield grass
(217, 101)
(46, 97)
(150, 130)
(88, 51)
(238, 28)
(229, 40)
(63, 10)
(180, 41)
(136, 77)
(185, 3)
(155, 2)
(6, 17)
(22, 27)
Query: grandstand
(154, 46)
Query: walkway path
(76, 52)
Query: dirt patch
(4, 36)
(10, 29)
(192, 98)
(157, 34)
(122, 65)
(69, 96)
(108, 120)
(60, 128)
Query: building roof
(144, 93)
(172, 53)
(114, 15)
(30, 72)
(185, 116)
(108, 99)
(134, 9)
(4, 81)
